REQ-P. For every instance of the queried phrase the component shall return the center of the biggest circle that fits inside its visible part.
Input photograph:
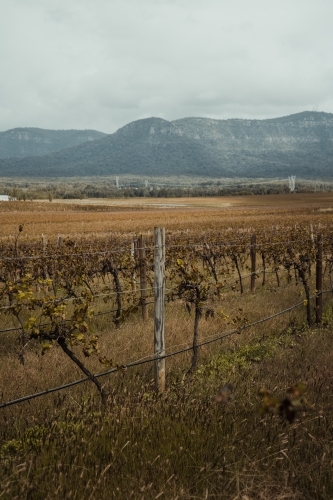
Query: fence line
(159, 300)
(193, 245)
(101, 313)
(97, 296)
(77, 254)
(162, 357)
(151, 288)
(226, 286)
(232, 245)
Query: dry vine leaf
(224, 395)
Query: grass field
(187, 443)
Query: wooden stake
(253, 262)
(319, 279)
(133, 278)
(143, 277)
(159, 300)
(44, 243)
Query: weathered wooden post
(44, 243)
(143, 277)
(319, 279)
(59, 241)
(159, 301)
(253, 262)
(44, 266)
(133, 278)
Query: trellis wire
(153, 359)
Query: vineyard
(190, 362)
(52, 293)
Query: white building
(5, 197)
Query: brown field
(101, 216)
(181, 445)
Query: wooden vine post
(134, 245)
(159, 301)
(143, 277)
(253, 262)
(319, 279)
(44, 243)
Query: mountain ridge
(21, 142)
(299, 144)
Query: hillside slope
(300, 144)
(22, 142)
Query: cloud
(103, 64)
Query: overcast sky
(99, 64)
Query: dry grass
(134, 340)
(181, 445)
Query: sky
(100, 64)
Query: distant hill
(22, 142)
(299, 144)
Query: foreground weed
(186, 443)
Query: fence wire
(194, 246)
(152, 359)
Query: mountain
(299, 144)
(22, 142)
